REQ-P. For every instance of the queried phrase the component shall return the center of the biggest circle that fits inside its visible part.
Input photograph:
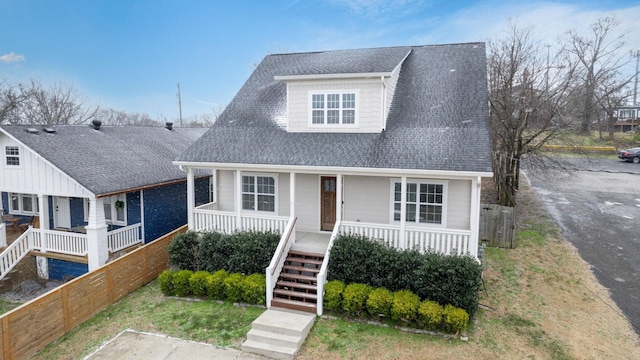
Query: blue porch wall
(65, 270)
(5, 202)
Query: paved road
(597, 205)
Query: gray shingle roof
(114, 158)
(438, 119)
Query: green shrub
(379, 302)
(198, 283)
(333, 295)
(354, 298)
(430, 315)
(183, 249)
(254, 289)
(233, 287)
(445, 279)
(455, 319)
(165, 280)
(181, 285)
(215, 285)
(405, 305)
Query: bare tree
(527, 93)
(110, 116)
(58, 104)
(601, 62)
(10, 99)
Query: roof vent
(96, 124)
(169, 125)
(32, 130)
(49, 130)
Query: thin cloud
(11, 57)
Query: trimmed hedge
(401, 306)
(217, 286)
(246, 252)
(445, 279)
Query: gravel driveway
(597, 205)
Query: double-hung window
(258, 193)
(425, 202)
(333, 108)
(12, 155)
(115, 209)
(23, 204)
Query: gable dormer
(345, 102)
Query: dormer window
(333, 108)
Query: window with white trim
(425, 202)
(333, 108)
(115, 209)
(23, 204)
(258, 193)
(12, 155)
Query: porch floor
(311, 242)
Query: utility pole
(635, 87)
(180, 104)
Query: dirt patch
(28, 290)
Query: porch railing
(15, 252)
(123, 238)
(226, 221)
(207, 206)
(60, 242)
(321, 278)
(446, 241)
(279, 256)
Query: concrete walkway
(133, 345)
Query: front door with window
(62, 211)
(327, 202)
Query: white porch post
(190, 198)
(97, 235)
(238, 198)
(403, 212)
(142, 235)
(42, 264)
(292, 194)
(338, 197)
(474, 216)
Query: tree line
(33, 103)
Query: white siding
(226, 190)
(308, 202)
(282, 188)
(366, 199)
(35, 175)
(368, 112)
(459, 204)
(389, 91)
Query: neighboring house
(627, 118)
(94, 190)
(390, 142)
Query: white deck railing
(226, 221)
(446, 241)
(279, 256)
(123, 238)
(321, 278)
(62, 242)
(207, 206)
(15, 252)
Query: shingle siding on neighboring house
(65, 270)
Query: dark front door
(327, 202)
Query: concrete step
(268, 350)
(285, 322)
(278, 334)
(269, 337)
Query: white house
(387, 142)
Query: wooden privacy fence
(497, 226)
(30, 327)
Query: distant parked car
(630, 155)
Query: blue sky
(130, 55)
